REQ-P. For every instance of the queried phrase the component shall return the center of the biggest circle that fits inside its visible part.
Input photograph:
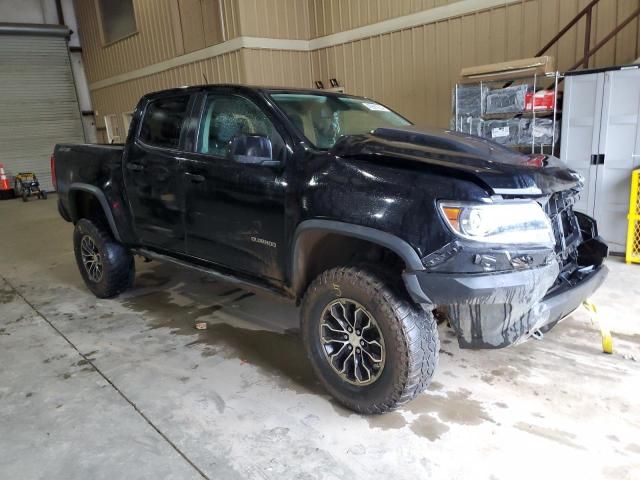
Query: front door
(152, 175)
(235, 211)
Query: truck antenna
(205, 78)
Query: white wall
(28, 11)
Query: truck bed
(87, 163)
(90, 166)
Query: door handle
(136, 167)
(194, 177)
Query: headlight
(509, 223)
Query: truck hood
(498, 169)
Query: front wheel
(370, 346)
(107, 267)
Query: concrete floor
(127, 388)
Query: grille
(559, 209)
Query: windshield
(323, 119)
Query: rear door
(152, 173)
(235, 212)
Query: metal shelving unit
(477, 123)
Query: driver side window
(228, 116)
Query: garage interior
(130, 388)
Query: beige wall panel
(443, 77)
(414, 71)
(548, 24)
(123, 97)
(483, 38)
(566, 52)
(211, 22)
(531, 36)
(606, 16)
(231, 18)
(274, 18)
(267, 67)
(332, 16)
(626, 44)
(513, 34)
(153, 43)
(498, 23)
(191, 19)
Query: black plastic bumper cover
(500, 309)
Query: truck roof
(244, 89)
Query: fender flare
(400, 247)
(102, 199)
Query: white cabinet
(601, 141)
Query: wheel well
(317, 251)
(86, 205)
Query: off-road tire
(410, 336)
(118, 270)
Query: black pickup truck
(375, 226)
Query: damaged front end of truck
(521, 292)
(519, 258)
(518, 292)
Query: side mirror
(253, 149)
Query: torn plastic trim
(492, 310)
(469, 257)
(442, 254)
(498, 310)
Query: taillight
(54, 179)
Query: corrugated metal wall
(158, 22)
(274, 18)
(38, 104)
(411, 70)
(414, 70)
(332, 16)
(123, 97)
(154, 42)
(274, 67)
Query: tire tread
(414, 328)
(121, 272)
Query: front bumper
(499, 309)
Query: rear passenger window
(163, 120)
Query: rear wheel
(371, 347)
(106, 266)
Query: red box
(541, 100)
